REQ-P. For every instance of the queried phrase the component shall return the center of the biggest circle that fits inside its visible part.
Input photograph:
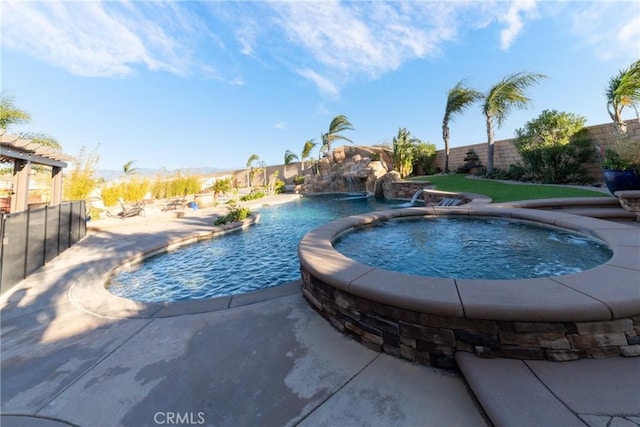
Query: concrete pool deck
(264, 358)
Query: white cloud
(101, 39)
(329, 43)
(324, 84)
(609, 29)
(345, 40)
(514, 21)
(85, 38)
(629, 33)
(280, 125)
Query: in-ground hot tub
(594, 313)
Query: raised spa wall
(592, 314)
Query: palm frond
(623, 91)
(252, 158)
(460, 98)
(289, 157)
(308, 146)
(42, 139)
(10, 114)
(508, 94)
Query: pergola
(24, 153)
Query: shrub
(298, 179)
(130, 191)
(221, 186)
(165, 187)
(81, 181)
(252, 196)
(554, 147)
(93, 213)
(110, 195)
(236, 213)
(279, 186)
(517, 172)
(424, 156)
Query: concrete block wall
(505, 152)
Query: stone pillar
(56, 186)
(20, 198)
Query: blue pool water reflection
(472, 248)
(262, 256)
(265, 255)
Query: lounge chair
(128, 211)
(175, 203)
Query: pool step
(587, 392)
(601, 212)
(594, 207)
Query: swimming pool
(256, 258)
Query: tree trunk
(490, 145)
(445, 135)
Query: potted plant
(621, 161)
(620, 164)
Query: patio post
(20, 198)
(56, 185)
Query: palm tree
(623, 91)
(306, 151)
(128, 168)
(501, 99)
(338, 124)
(459, 98)
(220, 186)
(404, 149)
(10, 115)
(289, 158)
(252, 158)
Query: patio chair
(175, 203)
(128, 211)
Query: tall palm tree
(338, 124)
(306, 151)
(623, 91)
(507, 94)
(459, 98)
(289, 158)
(252, 158)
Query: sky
(182, 84)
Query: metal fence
(30, 239)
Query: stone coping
(606, 292)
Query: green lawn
(502, 192)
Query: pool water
(261, 256)
(472, 248)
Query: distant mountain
(110, 174)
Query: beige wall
(506, 154)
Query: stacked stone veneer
(592, 314)
(433, 340)
(406, 189)
(630, 201)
